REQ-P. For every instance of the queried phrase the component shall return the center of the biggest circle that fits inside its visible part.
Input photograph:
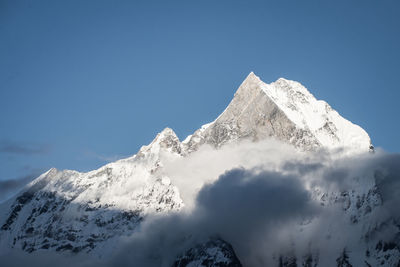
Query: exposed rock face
(253, 115)
(214, 253)
(283, 110)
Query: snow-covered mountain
(69, 211)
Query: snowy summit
(284, 110)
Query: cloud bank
(11, 186)
(267, 200)
(9, 147)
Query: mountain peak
(282, 80)
(252, 77)
(167, 132)
(283, 110)
(166, 139)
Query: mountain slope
(68, 210)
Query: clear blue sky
(84, 82)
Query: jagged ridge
(284, 110)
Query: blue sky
(85, 82)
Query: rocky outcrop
(213, 253)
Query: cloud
(272, 205)
(46, 258)
(266, 200)
(9, 147)
(260, 197)
(11, 186)
(246, 206)
(242, 206)
(207, 164)
(104, 158)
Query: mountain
(69, 211)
